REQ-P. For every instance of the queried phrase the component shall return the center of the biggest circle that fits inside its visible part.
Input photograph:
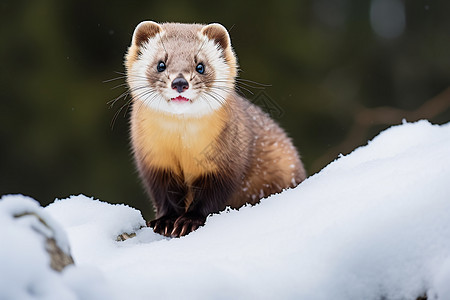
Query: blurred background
(340, 71)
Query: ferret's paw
(187, 223)
(163, 225)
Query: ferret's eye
(161, 66)
(200, 68)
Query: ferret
(198, 145)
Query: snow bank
(373, 224)
(25, 271)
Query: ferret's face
(181, 69)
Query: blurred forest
(339, 70)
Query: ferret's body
(198, 145)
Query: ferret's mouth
(180, 98)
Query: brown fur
(194, 166)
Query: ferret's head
(182, 69)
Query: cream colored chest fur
(172, 142)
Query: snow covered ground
(374, 224)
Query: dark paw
(163, 225)
(187, 223)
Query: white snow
(25, 271)
(374, 224)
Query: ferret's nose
(180, 84)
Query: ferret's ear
(144, 31)
(218, 34)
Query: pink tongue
(180, 98)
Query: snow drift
(374, 224)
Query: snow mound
(25, 263)
(374, 224)
(95, 223)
